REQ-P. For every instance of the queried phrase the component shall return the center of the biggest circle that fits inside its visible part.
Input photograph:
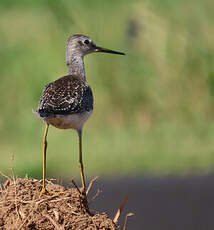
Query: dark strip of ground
(160, 203)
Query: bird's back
(67, 95)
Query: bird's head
(82, 45)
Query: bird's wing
(66, 95)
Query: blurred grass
(153, 108)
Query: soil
(22, 208)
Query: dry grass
(22, 208)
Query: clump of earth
(22, 208)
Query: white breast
(70, 121)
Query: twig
(94, 223)
(14, 181)
(46, 199)
(25, 220)
(126, 219)
(38, 201)
(90, 184)
(1, 187)
(12, 167)
(53, 222)
(81, 205)
(120, 209)
(22, 224)
(63, 198)
(49, 181)
(96, 195)
(75, 185)
(4, 175)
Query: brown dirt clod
(21, 208)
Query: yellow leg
(80, 161)
(44, 191)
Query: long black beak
(104, 50)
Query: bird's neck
(76, 67)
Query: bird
(67, 102)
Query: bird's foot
(56, 193)
(43, 192)
(49, 193)
(84, 200)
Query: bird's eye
(86, 41)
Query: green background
(154, 107)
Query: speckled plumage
(67, 95)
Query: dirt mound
(22, 208)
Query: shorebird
(67, 103)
